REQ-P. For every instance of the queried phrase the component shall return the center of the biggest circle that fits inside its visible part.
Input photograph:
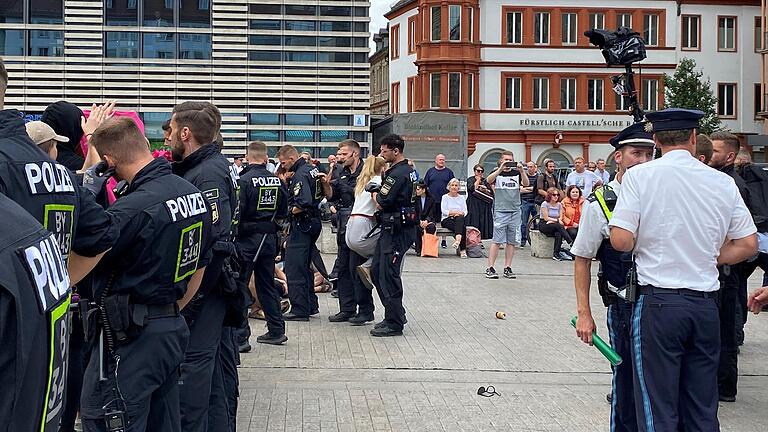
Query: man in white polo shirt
(678, 237)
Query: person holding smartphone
(505, 181)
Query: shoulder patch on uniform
(215, 212)
(297, 189)
(211, 194)
(387, 185)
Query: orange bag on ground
(429, 245)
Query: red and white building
(528, 80)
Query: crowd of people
(130, 275)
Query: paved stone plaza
(335, 377)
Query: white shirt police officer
(678, 236)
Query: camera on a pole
(622, 47)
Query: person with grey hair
(453, 209)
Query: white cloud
(378, 21)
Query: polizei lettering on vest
(186, 206)
(48, 271)
(265, 181)
(48, 177)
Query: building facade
(528, 80)
(380, 75)
(281, 71)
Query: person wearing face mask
(633, 146)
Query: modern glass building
(281, 71)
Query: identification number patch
(59, 220)
(267, 198)
(190, 245)
(57, 374)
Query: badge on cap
(648, 127)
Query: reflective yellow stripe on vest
(599, 195)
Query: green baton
(603, 347)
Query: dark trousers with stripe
(623, 418)
(676, 349)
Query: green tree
(688, 89)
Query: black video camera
(620, 48)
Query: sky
(378, 9)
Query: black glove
(372, 188)
(95, 177)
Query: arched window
(561, 158)
(490, 160)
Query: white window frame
(651, 94)
(651, 28)
(594, 18)
(572, 27)
(517, 27)
(732, 87)
(569, 85)
(541, 98)
(726, 46)
(456, 77)
(691, 32)
(516, 92)
(541, 30)
(471, 21)
(432, 24)
(470, 90)
(620, 20)
(432, 90)
(451, 15)
(596, 92)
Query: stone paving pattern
(335, 377)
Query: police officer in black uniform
(348, 284)
(131, 382)
(53, 196)
(263, 205)
(193, 129)
(305, 193)
(397, 203)
(34, 298)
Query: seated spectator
(425, 208)
(552, 224)
(454, 209)
(572, 210)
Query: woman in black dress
(480, 211)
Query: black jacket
(165, 236)
(34, 298)
(427, 211)
(398, 188)
(50, 192)
(263, 202)
(305, 189)
(344, 185)
(216, 178)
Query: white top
(449, 203)
(593, 227)
(585, 181)
(681, 212)
(364, 205)
(605, 176)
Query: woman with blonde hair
(361, 221)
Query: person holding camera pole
(675, 320)
(506, 181)
(633, 146)
(397, 214)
